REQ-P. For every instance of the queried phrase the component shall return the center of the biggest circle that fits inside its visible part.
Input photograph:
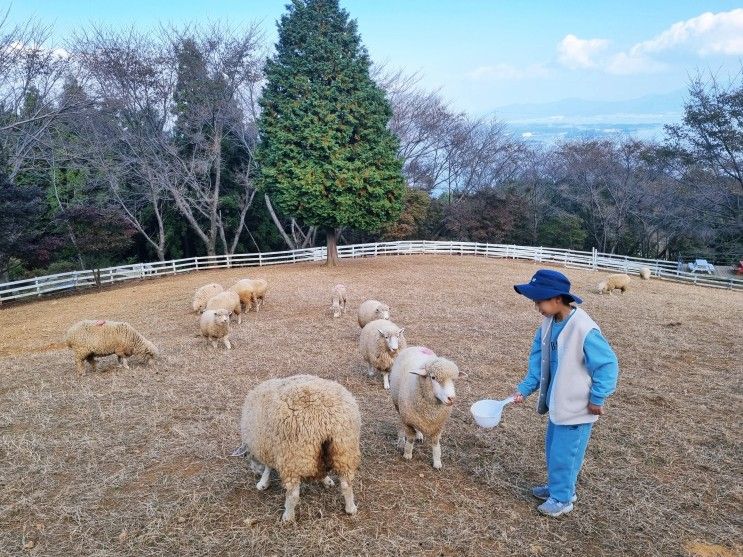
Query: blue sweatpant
(564, 449)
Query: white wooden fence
(568, 258)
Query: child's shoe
(553, 507)
(542, 492)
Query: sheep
(303, 427)
(252, 292)
(612, 282)
(338, 300)
(371, 310)
(422, 389)
(90, 338)
(215, 325)
(379, 343)
(228, 300)
(202, 295)
(644, 273)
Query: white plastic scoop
(487, 412)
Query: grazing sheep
(612, 282)
(228, 300)
(380, 341)
(339, 300)
(303, 427)
(252, 292)
(89, 339)
(422, 389)
(371, 310)
(644, 273)
(215, 325)
(202, 295)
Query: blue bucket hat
(546, 284)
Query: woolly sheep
(612, 282)
(89, 339)
(303, 427)
(371, 310)
(380, 341)
(228, 300)
(252, 292)
(202, 295)
(422, 389)
(338, 300)
(644, 273)
(215, 325)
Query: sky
(481, 54)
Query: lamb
(229, 301)
(371, 310)
(612, 282)
(644, 273)
(422, 389)
(89, 339)
(303, 427)
(252, 292)
(215, 325)
(379, 343)
(338, 300)
(202, 295)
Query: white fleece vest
(568, 404)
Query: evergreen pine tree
(326, 155)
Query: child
(572, 388)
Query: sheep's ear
(381, 332)
(401, 331)
(421, 371)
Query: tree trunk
(331, 234)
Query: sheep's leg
(292, 498)
(370, 370)
(80, 365)
(227, 344)
(91, 361)
(214, 342)
(409, 442)
(254, 301)
(386, 376)
(436, 446)
(123, 361)
(418, 435)
(262, 484)
(347, 492)
(328, 482)
(239, 318)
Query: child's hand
(518, 398)
(595, 409)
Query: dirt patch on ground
(135, 462)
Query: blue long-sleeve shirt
(600, 359)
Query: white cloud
(578, 53)
(704, 35)
(508, 72)
(708, 33)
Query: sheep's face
(392, 340)
(442, 374)
(221, 316)
(602, 287)
(382, 312)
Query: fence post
(172, 261)
(595, 255)
(196, 259)
(260, 259)
(566, 257)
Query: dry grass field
(136, 462)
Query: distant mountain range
(642, 117)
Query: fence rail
(666, 270)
